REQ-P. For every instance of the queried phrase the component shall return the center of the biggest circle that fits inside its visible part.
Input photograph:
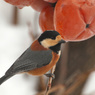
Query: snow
(14, 40)
(90, 85)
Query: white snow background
(14, 40)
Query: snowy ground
(13, 41)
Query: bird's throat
(56, 48)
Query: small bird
(39, 58)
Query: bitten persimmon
(75, 21)
(46, 18)
(51, 1)
(38, 5)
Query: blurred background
(18, 29)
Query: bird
(39, 57)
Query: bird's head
(52, 40)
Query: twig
(42, 83)
(50, 81)
(72, 78)
(80, 79)
(53, 89)
(15, 16)
(31, 31)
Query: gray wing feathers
(30, 60)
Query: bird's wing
(30, 60)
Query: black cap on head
(48, 34)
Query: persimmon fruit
(51, 1)
(38, 5)
(74, 20)
(46, 18)
(20, 3)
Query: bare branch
(53, 89)
(15, 15)
(31, 31)
(50, 81)
(80, 80)
(42, 82)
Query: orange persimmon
(75, 19)
(20, 3)
(38, 5)
(46, 18)
(51, 1)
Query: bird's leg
(50, 75)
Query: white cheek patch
(48, 43)
(45, 44)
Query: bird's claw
(50, 75)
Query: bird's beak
(62, 41)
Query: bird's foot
(50, 75)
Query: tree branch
(50, 81)
(53, 89)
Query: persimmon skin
(19, 2)
(38, 5)
(70, 20)
(51, 1)
(46, 19)
(78, 3)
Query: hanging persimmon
(38, 5)
(46, 18)
(51, 1)
(75, 19)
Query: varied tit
(39, 58)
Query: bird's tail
(4, 78)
